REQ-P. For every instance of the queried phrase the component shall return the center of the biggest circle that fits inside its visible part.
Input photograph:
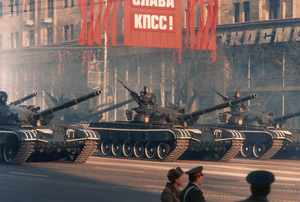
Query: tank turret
(24, 99)
(14, 115)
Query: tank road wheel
(116, 148)
(138, 149)
(258, 149)
(150, 150)
(9, 152)
(127, 148)
(105, 147)
(163, 150)
(246, 149)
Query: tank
(25, 133)
(164, 134)
(264, 133)
(24, 99)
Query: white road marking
(208, 171)
(134, 171)
(161, 187)
(28, 174)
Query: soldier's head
(180, 102)
(176, 176)
(146, 90)
(3, 98)
(260, 181)
(142, 93)
(195, 175)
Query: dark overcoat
(191, 193)
(170, 193)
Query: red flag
(90, 39)
(201, 25)
(89, 59)
(113, 28)
(212, 45)
(188, 9)
(106, 20)
(98, 25)
(60, 59)
(83, 8)
(192, 25)
(205, 38)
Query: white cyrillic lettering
(170, 3)
(162, 19)
(136, 2)
(153, 3)
(146, 22)
(283, 34)
(161, 3)
(154, 20)
(236, 38)
(138, 20)
(296, 35)
(250, 37)
(265, 36)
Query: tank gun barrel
(223, 105)
(70, 103)
(97, 107)
(24, 99)
(286, 117)
(112, 107)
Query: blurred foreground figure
(171, 192)
(260, 181)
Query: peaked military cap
(260, 177)
(195, 171)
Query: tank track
(180, 148)
(234, 149)
(276, 145)
(86, 152)
(25, 150)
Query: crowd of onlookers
(260, 181)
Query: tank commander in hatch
(240, 106)
(3, 98)
(148, 99)
(260, 181)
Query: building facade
(257, 53)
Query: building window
(32, 16)
(65, 3)
(50, 8)
(11, 5)
(236, 12)
(274, 8)
(11, 40)
(72, 3)
(0, 10)
(50, 35)
(66, 28)
(31, 37)
(17, 6)
(247, 11)
(72, 31)
(17, 39)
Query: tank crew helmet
(260, 177)
(142, 92)
(194, 172)
(3, 97)
(146, 90)
(174, 174)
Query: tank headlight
(277, 125)
(240, 121)
(184, 124)
(38, 123)
(147, 119)
(62, 117)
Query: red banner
(153, 23)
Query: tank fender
(221, 135)
(10, 137)
(75, 134)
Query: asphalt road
(109, 179)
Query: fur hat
(174, 174)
